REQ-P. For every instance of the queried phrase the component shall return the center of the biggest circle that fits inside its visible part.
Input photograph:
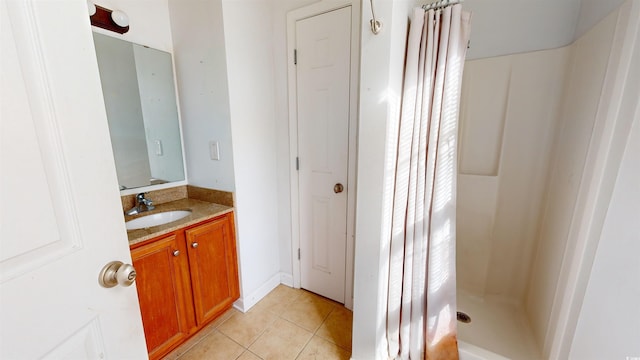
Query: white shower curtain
(421, 303)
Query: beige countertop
(200, 211)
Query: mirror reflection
(139, 95)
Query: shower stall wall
(509, 116)
(527, 123)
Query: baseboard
(239, 305)
(286, 279)
(246, 302)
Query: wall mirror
(140, 99)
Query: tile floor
(287, 324)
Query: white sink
(156, 219)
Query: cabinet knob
(194, 245)
(176, 252)
(117, 273)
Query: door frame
(292, 17)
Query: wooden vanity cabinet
(164, 299)
(185, 280)
(213, 265)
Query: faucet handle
(140, 199)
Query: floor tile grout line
(290, 322)
(326, 338)
(301, 296)
(304, 347)
(261, 333)
(333, 342)
(230, 338)
(195, 343)
(323, 321)
(249, 351)
(209, 333)
(313, 333)
(216, 326)
(296, 325)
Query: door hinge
(295, 56)
(297, 163)
(298, 253)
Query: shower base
(498, 329)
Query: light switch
(214, 150)
(158, 144)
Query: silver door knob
(194, 245)
(176, 252)
(338, 188)
(117, 273)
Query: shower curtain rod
(441, 4)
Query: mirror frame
(167, 185)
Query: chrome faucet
(142, 204)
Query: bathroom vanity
(187, 272)
(182, 238)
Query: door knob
(194, 245)
(117, 273)
(338, 188)
(176, 252)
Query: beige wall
(613, 292)
(586, 73)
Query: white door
(323, 47)
(60, 215)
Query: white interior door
(60, 213)
(323, 44)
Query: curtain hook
(375, 24)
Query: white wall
(381, 69)
(248, 32)
(610, 312)
(508, 117)
(201, 72)
(590, 55)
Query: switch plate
(158, 144)
(214, 150)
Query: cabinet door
(213, 264)
(162, 295)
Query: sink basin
(156, 219)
